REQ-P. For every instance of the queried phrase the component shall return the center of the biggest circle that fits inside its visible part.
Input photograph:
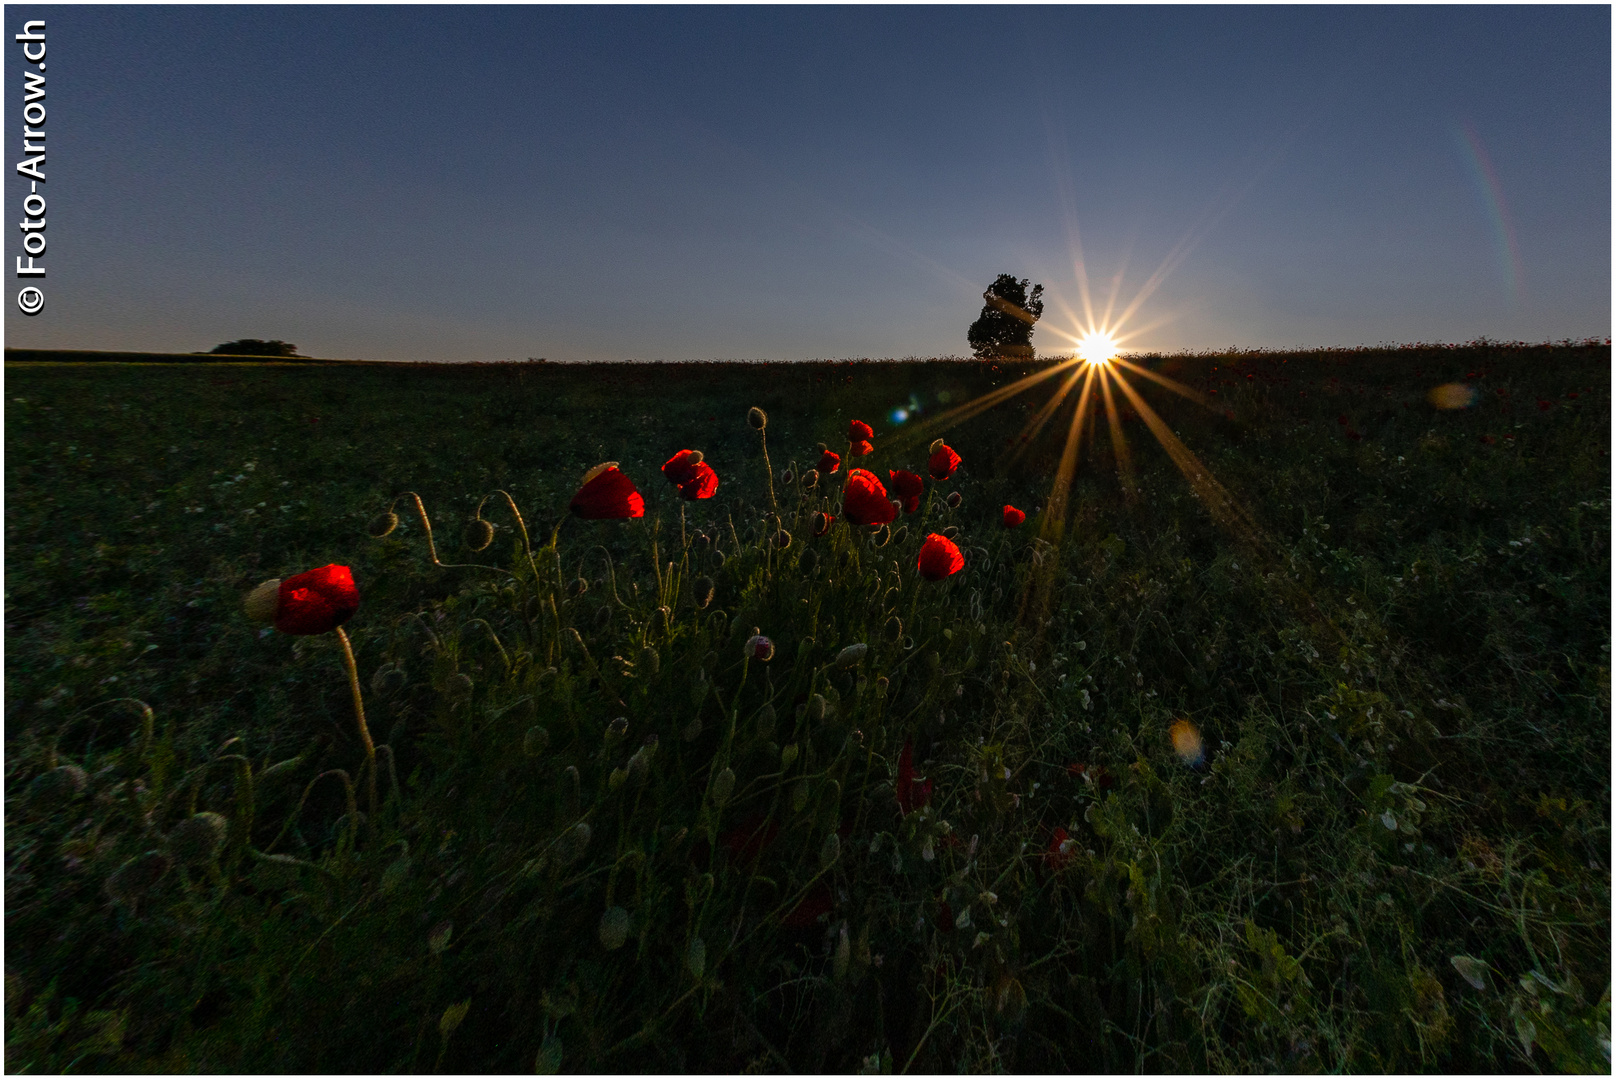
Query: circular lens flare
(1096, 348)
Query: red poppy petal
(702, 483)
(939, 557)
(608, 494)
(858, 430)
(1013, 517)
(942, 464)
(865, 502)
(316, 601)
(829, 462)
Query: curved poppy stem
(768, 470)
(432, 548)
(527, 544)
(364, 729)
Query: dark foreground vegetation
(1331, 795)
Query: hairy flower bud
(757, 418)
(479, 534)
(852, 656)
(198, 838)
(572, 844)
(759, 648)
(830, 851)
(56, 788)
(723, 785)
(536, 741)
(954, 500)
(702, 591)
(262, 603)
(382, 524)
(614, 928)
(766, 721)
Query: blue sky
(621, 183)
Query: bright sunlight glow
(1097, 348)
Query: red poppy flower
(942, 462)
(316, 601)
(1488, 440)
(607, 493)
(829, 463)
(860, 448)
(1544, 406)
(939, 557)
(908, 487)
(1013, 517)
(865, 501)
(858, 431)
(693, 476)
(911, 796)
(815, 904)
(1059, 852)
(822, 524)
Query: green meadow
(1309, 771)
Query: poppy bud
(822, 523)
(692, 730)
(936, 445)
(810, 479)
(808, 560)
(572, 844)
(816, 708)
(880, 535)
(479, 534)
(881, 685)
(134, 878)
(617, 729)
(571, 791)
(786, 477)
(696, 457)
(830, 851)
(1013, 517)
(650, 660)
(389, 679)
(198, 838)
(901, 535)
(844, 953)
(782, 539)
(382, 524)
(56, 788)
(757, 418)
(788, 754)
(261, 603)
(614, 927)
(723, 785)
(951, 532)
(800, 794)
(536, 741)
(894, 628)
(458, 685)
(702, 591)
(759, 648)
(718, 558)
(696, 957)
(852, 656)
(438, 939)
(954, 500)
(765, 721)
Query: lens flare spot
(1186, 741)
(1452, 396)
(899, 415)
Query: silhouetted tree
(1004, 328)
(254, 347)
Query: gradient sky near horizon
(667, 183)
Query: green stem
(364, 729)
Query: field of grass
(609, 840)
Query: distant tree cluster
(254, 347)
(1004, 328)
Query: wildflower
(1544, 406)
(943, 461)
(912, 795)
(828, 462)
(607, 493)
(908, 487)
(312, 602)
(858, 431)
(865, 501)
(1059, 852)
(954, 500)
(759, 648)
(1013, 517)
(1488, 440)
(939, 557)
(693, 477)
(1342, 420)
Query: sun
(1097, 348)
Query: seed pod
(382, 524)
(479, 534)
(263, 602)
(135, 878)
(696, 957)
(536, 741)
(603, 617)
(830, 851)
(701, 590)
(650, 660)
(571, 791)
(692, 730)
(572, 844)
(639, 767)
(54, 789)
(395, 874)
(198, 838)
(816, 709)
(852, 656)
(757, 418)
(894, 628)
(723, 785)
(788, 754)
(614, 927)
(954, 500)
(579, 587)
(810, 479)
(766, 721)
